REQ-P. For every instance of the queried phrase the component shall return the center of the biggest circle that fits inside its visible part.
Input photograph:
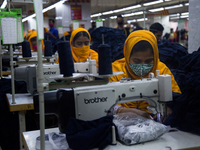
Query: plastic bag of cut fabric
(134, 129)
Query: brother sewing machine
(28, 73)
(92, 102)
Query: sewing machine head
(28, 73)
(92, 102)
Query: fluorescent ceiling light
(175, 6)
(152, 3)
(103, 19)
(167, 0)
(29, 17)
(186, 4)
(129, 21)
(113, 17)
(174, 15)
(174, 18)
(142, 19)
(53, 6)
(132, 14)
(119, 10)
(133, 7)
(107, 12)
(128, 15)
(184, 16)
(95, 15)
(186, 13)
(44, 10)
(4, 4)
(156, 9)
(138, 13)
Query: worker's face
(142, 57)
(158, 35)
(120, 21)
(51, 23)
(81, 41)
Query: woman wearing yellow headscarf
(33, 41)
(80, 46)
(141, 52)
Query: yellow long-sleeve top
(123, 65)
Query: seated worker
(157, 30)
(33, 41)
(141, 52)
(29, 34)
(80, 46)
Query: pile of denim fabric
(9, 126)
(115, 38)
(186, 70)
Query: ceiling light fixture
(156, 9)
(174, 18)
(107, 12)
(119, 10)
(153, 3)
(113, 17)
(142, 19)
(128, 15)
(186, 4)
(44, 10)
(96, 15)
(4, 4)
(175, 6)
(186, 13)
(184, 16)
(132, 7)
(174, 15)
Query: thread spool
(26, 49)
(105, 63)
(65, 59)
(47, 50)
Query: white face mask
(141, 69)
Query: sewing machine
(92, 102)
(28, 73)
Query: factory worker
(33, 41)
(141, 52)
(80, 46)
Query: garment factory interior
(99, 74)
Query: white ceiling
(98, 6)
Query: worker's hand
(143, 114)
(48, 32)
(169, 111)
(164, 118)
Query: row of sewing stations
(71, 102)
(81, 91)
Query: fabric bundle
(113, 37)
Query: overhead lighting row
(116, 11)
(44, 10)
(138, 6)
(137, 20)
(177, 16)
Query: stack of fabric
(113, 37)
(186, 70)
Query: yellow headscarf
(79, 56)
(32, 35)
(123, 64)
